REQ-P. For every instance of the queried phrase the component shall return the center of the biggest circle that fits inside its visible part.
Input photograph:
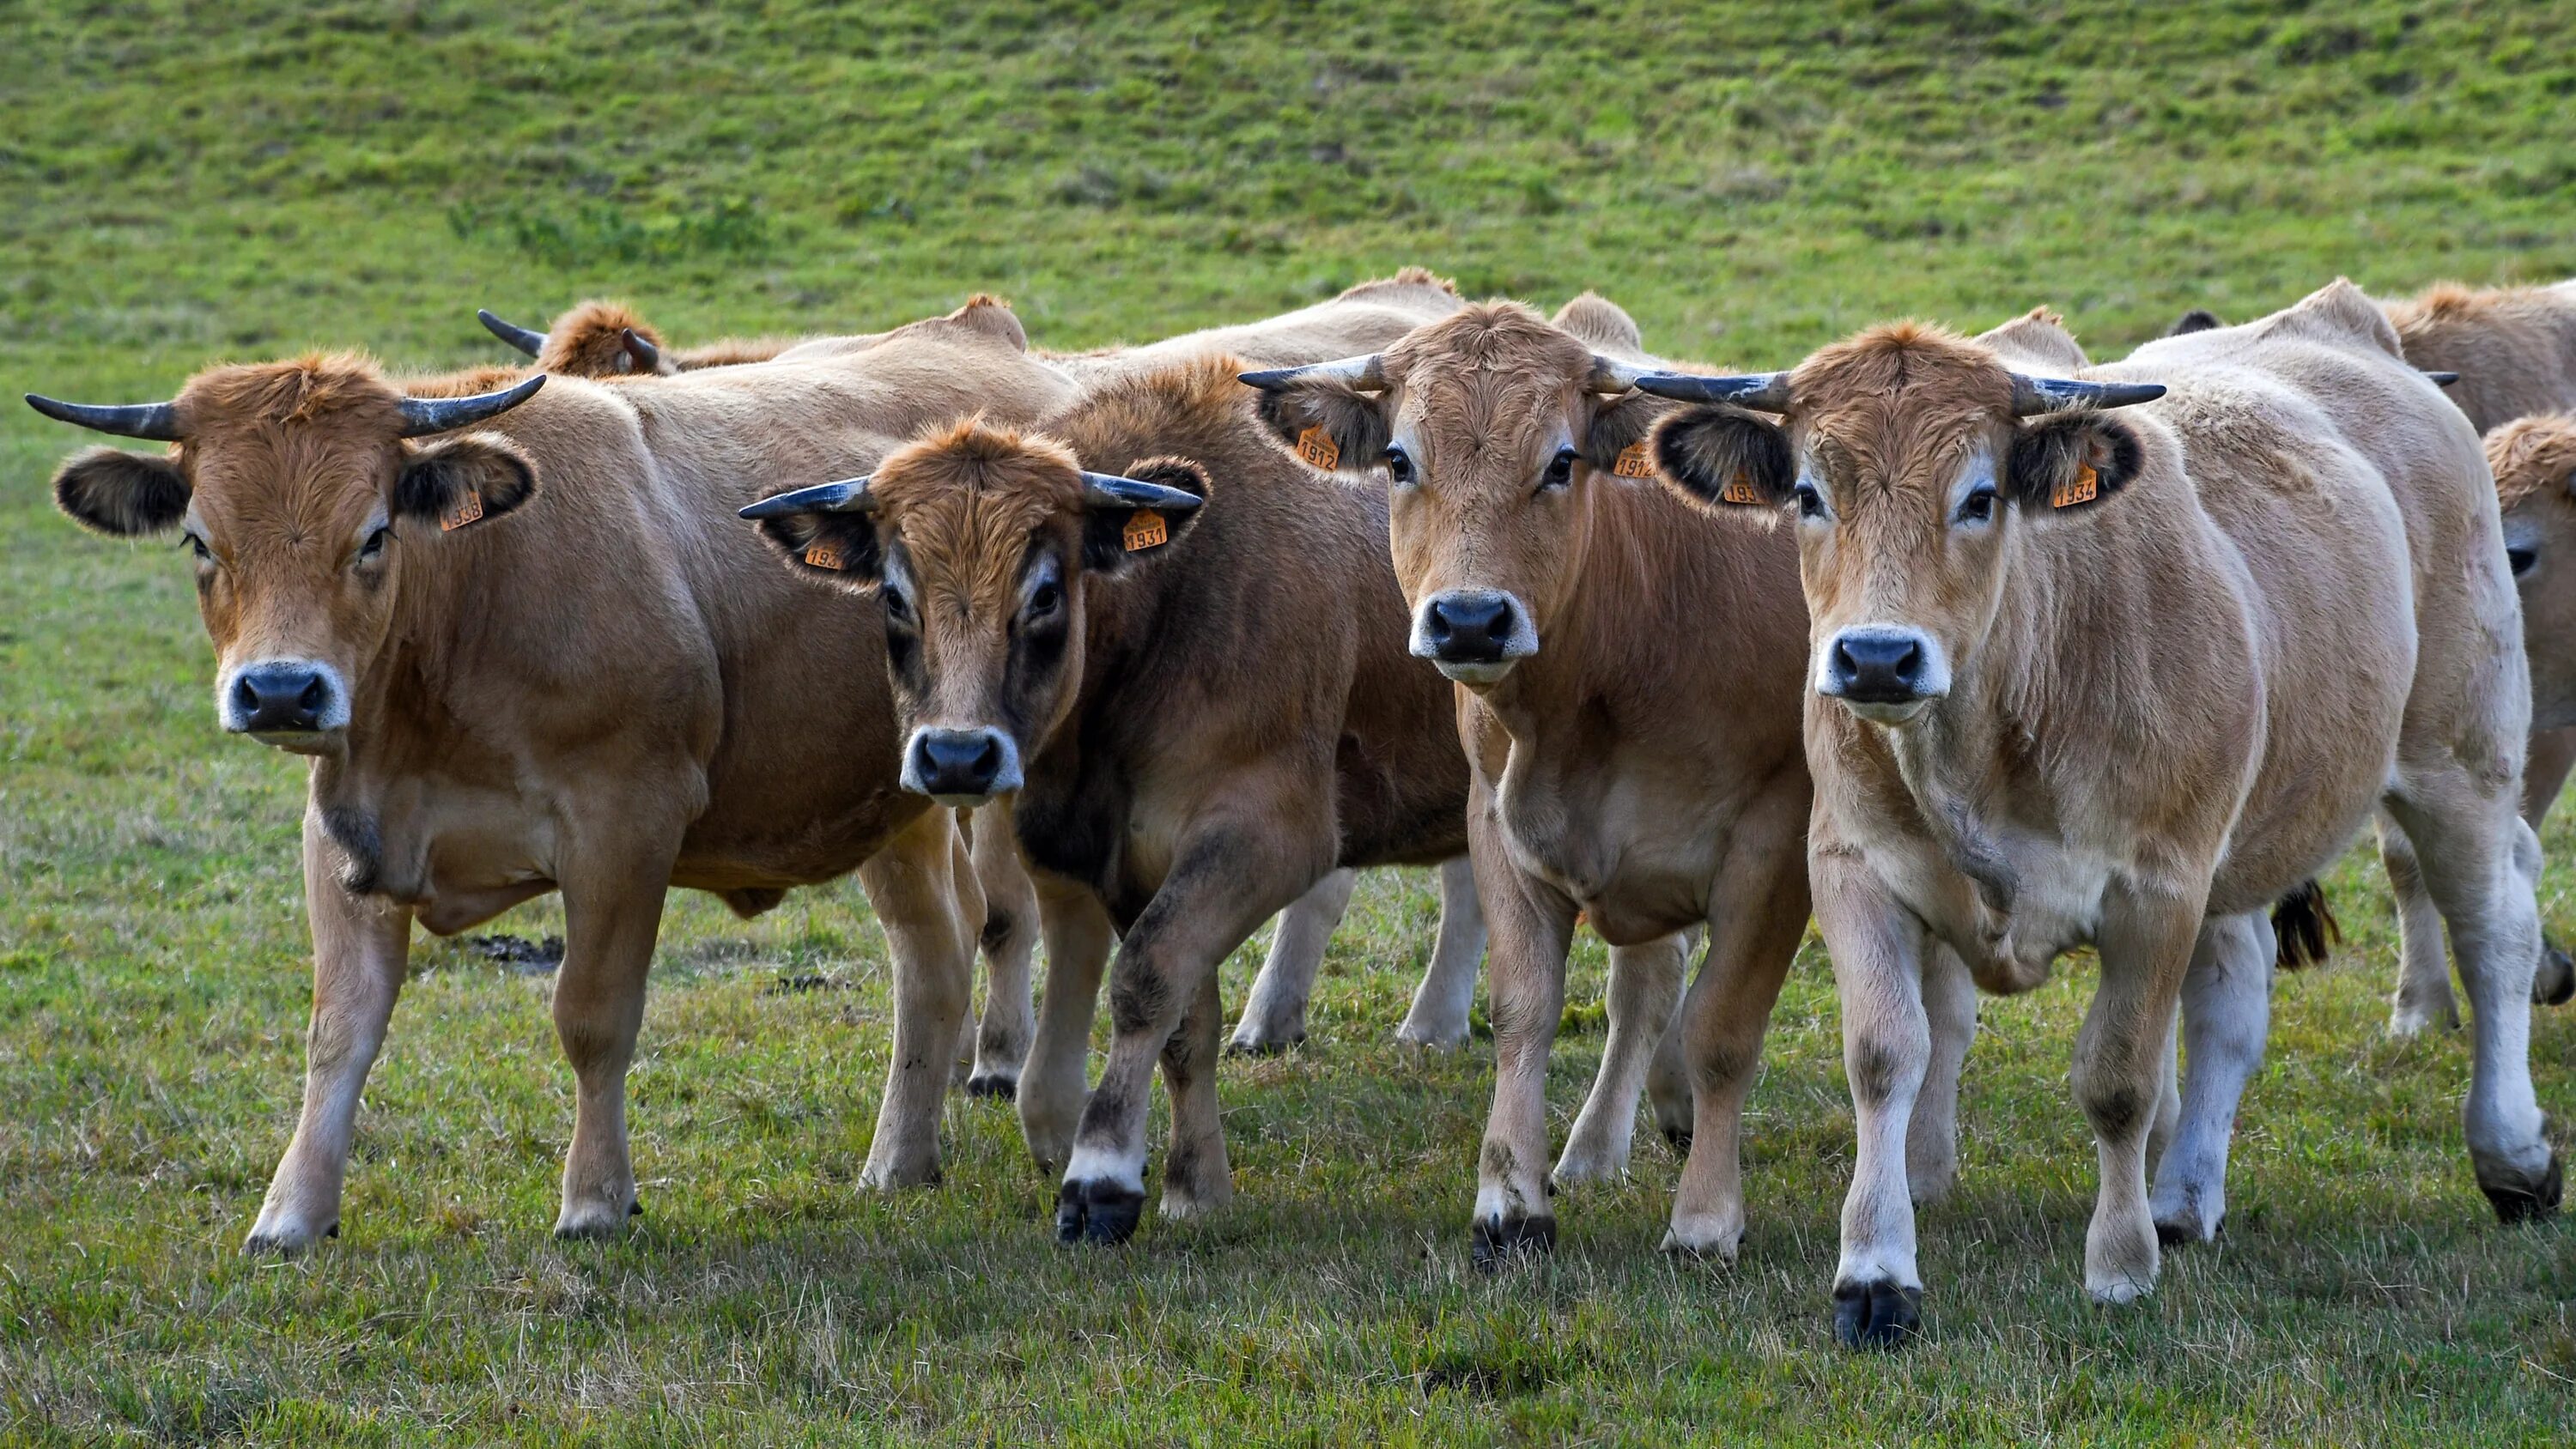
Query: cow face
(1491, 426)
(982, 544)
(1909, 460)
(2535, 471)
(297, 490)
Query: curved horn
(2442, 379)
(517, 336)
(157, 421)
(1766, 391)
(1610, 375)
(646, 355)
(2034, 395)
(1368, 374)
(1111, 491)
(850, 495)
(442, 414)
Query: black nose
(1878, 668)
(279, 699)
(957, 762)
(1469, 628)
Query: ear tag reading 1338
(1739, 489)
(2079, 489)
(462, 512)
(1633, 462)
(1145, 529)
(1318, 448)
(823, 556)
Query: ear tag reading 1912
(823, 556)
(462, 512)
(1318, 448)
(1634, 462)
(1740, 489)
(2079, 489)
(1145, 529)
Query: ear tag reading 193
(1633, 462)
(2079, 489)
(1318, 448)
(1739, 489)
(462, 512)
(823, 556)
(1146, 529)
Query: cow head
(2535, 472)
(594, 339)
(982, 543)
(1911, 459)
(297, 488)
(1492, 426)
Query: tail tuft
(2305, 927)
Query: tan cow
(541, 655)
(2129, 678)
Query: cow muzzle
(1474, 636)
(297, 705)
(961, 767)
(1885, 673)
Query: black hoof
(1264, 1048)
(2556, 983)
(635, 1209)
(1005, 1089)
(1679, 1140)
(1097, 1212)
(2184, 1235)
(2528, 1202)
(1496, 1242)
(1876, 1314)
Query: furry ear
(1114, 537)
(832, 548)
(1724, 457)
(1618, 440)
(121, 494)
(1328, 424)
(2070, 461)
(464, 479)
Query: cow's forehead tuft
(1912, 371)
(2529, 454)
(328, 388)
(1504, 339)
(977, 463)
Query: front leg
(1079, 938)
(612, 898)
(360, 947)
(917, 884)
(1010, 933)
(1877, 946)
(1528, 931)
(2121, 1058)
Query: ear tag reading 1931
(1739, 489)
(1318, 448)
(823, 556)
(1634, 462)
(2079, 489)
(462, 512)
(1145, 529)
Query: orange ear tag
(1740, 489)
(1146, 529)
(1318, 448)
(1633, 462)
(2079, 489)
(462, 512)
(823, 556)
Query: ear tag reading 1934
(1634, 462)
(823, 556)
(2079, 489)
(1145, 529)
(1739, 489)
(1318, 448)
(462, 512)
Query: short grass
(182, 181)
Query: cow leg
(1526, 958)
(1759, 915)
(1010, 948)
(1932, 1135)
(1447, 995)
(2553, 980)
(2471, 847)
(924, 893)
(1195, 1177)
(1877, 947)
(360, 947)
(2226, 1018)
(2423, 976)
(1229, 875)
(1645, 986)
(612, 913)
(1079, 938)
(2544, 772)
(2122, 1054)
(1274, 1016)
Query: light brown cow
(542, 655)
(2129, 678)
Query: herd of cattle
(1970, 648)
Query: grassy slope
(182, 181)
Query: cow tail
(2305, 926)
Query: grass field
(185, 181)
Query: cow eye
(1978, 506)
(1044, 600)
(2522, 558)
(898, 608)
(1811, 504)
(1560, 471)
(198, 547)
(374, 547)
(1399, 468)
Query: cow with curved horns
(600, 338)
(2123, 657)
(398, 586)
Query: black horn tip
(640, 347)
(2443, 379)
(522, 338)
(1269, 379)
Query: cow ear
(1329, 424)
(2070, 461)
(832, 548)
(1116, 536)
(463, 480)
(1724, 458)
(121, 494)
(1620, 440)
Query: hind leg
(1645, 986)
(1274, 1015)
(1438, 1016)
(1932, 1135)
(2423, 977)
(1668, 1076)
(2226, 1018)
